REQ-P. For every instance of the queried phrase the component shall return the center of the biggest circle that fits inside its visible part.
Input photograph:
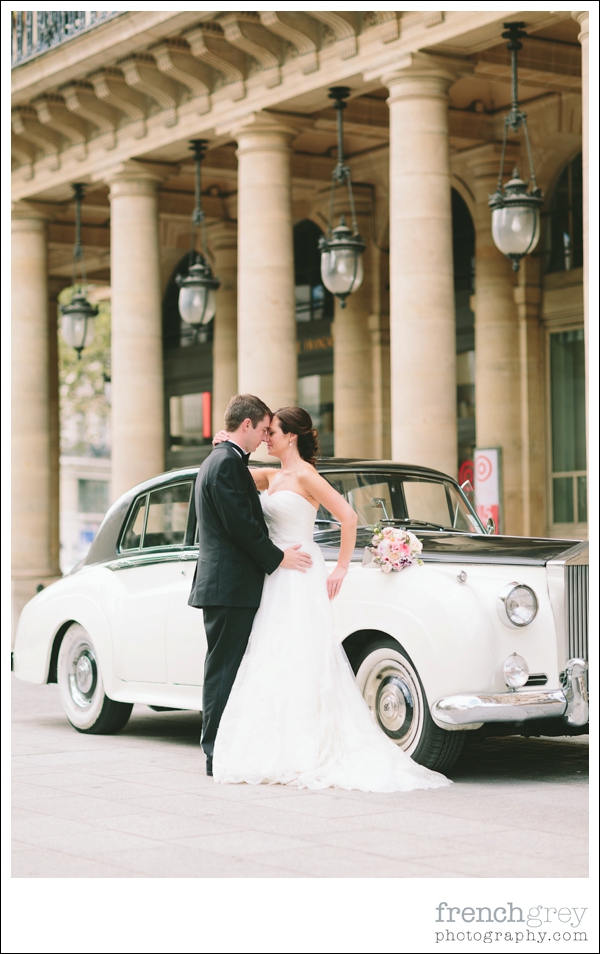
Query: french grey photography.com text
(513, 924)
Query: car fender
(441, 625)
(42, 620)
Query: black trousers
(227, 631)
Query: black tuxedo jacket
(235, 550)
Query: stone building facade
(443, 347)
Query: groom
(235, 553)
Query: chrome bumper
(570, 703)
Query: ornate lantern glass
(78, 322)
(515, 219)
(342, 261)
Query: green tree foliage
(84, 389)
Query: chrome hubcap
(391, 692)
(83, 675)
(394, 706)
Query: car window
(133, 535)
(167, 516)
(400, 498)
(371, 502)
(426, 500)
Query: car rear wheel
(392, 689)
(81, 688)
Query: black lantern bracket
(527, 195)
(199, 271)
(341, 237)
(79, 312)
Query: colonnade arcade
(443, 346)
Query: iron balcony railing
(35, 32)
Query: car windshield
(402, 500)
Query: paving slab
(139, 805)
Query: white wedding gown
(295, 715)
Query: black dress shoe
(209, 770)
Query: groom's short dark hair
(243, 406)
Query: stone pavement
(138, 805)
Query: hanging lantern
(78, 322)
(516, 219)
(197, 299)
(342, 248)
(78, 316)
(516, 206)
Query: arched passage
(188, 376)
(463, 242)
(314, 314)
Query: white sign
(488, 485)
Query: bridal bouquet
(395, 549)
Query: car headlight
(515, 671)
(517, 604)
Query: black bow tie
(238, 450)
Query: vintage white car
(490, 634)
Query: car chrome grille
(576, 606)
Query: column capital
(262, 129)
(419, 74)
(362, 194)
(133, 177)
(582, 17)
(222, 234)
(36, 214)
(485, 160)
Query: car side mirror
(490, 526)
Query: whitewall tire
(392, 689)
(81, 688)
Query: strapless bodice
(290, 518)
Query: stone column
(222, 238)
(137, 398)
(267, 363)
(422, 321)
(34, 543)
(352, 367)
(583, 18)
(528, 295)
(55, 286)
(497, 355)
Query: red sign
(488, 485)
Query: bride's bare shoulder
(308, 475)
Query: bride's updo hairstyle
(295, 420)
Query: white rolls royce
(489, 635)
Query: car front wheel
(81, 688)
(393, 691)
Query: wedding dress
(295, 715)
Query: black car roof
(104, 545)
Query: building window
(567, 429)
(315, 394)
(189, 420)
(563, 221)
(93, 496)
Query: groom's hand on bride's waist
(295, 559)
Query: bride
(295, 715)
